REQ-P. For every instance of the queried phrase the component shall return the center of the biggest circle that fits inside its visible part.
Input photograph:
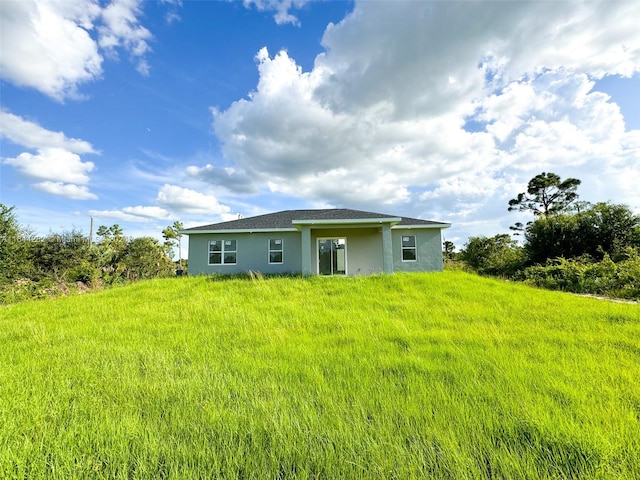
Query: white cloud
(55, 47)
(46, 46)
(138, 214)
(122, 29)
(74, 192)
(31, 135)
(55, 164)
(148, 212)
(350, 189)
(423, 57)
(285, 137)
(174, 200)
(57, 159)
(185, 200)
(281, 7)
(383, 117)
(172, 15)
(119, 215)
(230, 178)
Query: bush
(38, 267)
(628, 276)
(145, 258)
(84, 272)
(583, 275)
(602, 229)
(499, 255)
(457, 265)
(25, 289)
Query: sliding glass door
(332, 256)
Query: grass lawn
(404, 376)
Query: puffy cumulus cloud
(436, 106)
(281, 129)
(173, 202)
(356, 191)
(403, 55)
(230, 178)
(624, 168)
(55, 164)
(597, 38)
(74, 192)
(285, 137)
(56, 159)
(555, 107)
(46, 46)
(466, 189)
(55, 47)
(574, 129)
(556, 123)
(423, 57)
(185, 200)
(121, 28)
(31, 135)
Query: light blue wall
(429, 253)
(252, 253)
(364, 251)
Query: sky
(145, 113)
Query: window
(409, 249)
(275, 250)
(222, 252)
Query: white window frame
(225, 242)
(271, 250)
(414, 248)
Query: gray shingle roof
(284, 219)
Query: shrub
(583, 275)
(602, 229)
(499, 255)
(25, 289)
(84, 272)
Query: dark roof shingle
(285, 218)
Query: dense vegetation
(405, 376)
(37, 267)
(572, 246)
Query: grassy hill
(443, 375)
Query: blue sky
(143, 113)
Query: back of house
(317, 242)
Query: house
(323, 242)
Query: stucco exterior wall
(364, 249)
(429, 250)
(252, 253)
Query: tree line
(39, 266)
(569, 245)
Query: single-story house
(317, 242)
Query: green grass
(406, 376)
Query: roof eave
(431, 225)
(238, 230)
(347, 221)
